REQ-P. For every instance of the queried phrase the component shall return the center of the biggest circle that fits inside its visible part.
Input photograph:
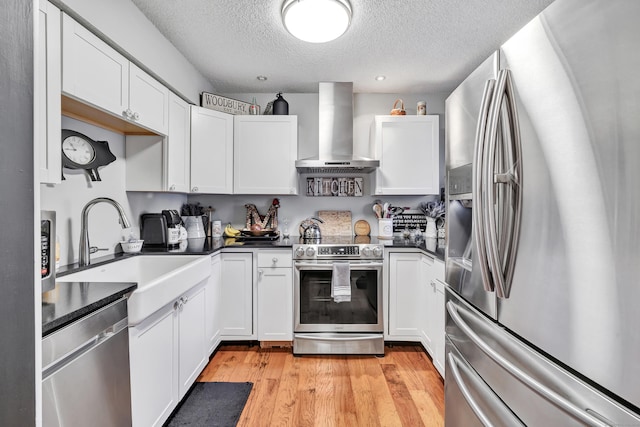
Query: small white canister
(421, 109)
(385, 228)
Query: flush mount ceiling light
(316, 21)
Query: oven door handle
(322, 265)
(345, 338)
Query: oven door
(316, 311)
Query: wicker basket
(398, 111)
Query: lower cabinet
(416, 303)
(275, 296)
(167, 353)
(213, 294)
(405, 305)
(237, 296)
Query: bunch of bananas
(229, 231)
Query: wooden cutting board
(336, 223)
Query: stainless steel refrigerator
(543, 190)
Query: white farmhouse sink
(161, 279)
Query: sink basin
(161, 279)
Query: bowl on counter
(132, 246)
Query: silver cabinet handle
(518, 374)
(275, 260)
(172, 187)
(136, 116)
(194, 189)
(260, 273)
(478, 172)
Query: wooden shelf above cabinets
(81, 111)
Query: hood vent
(335, 153)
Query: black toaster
(153, 230)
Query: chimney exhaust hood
(335, 154)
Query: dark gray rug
(212, 405)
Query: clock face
(78, 150)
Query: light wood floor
(401, 389)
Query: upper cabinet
(265, 152)
(211, 151)
(178, 145)
(97, 74)
(408, 150)
(47, 94)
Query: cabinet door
(92, 71)
(427, 298)
(178, 141)
(438, 323)
(408, 149)
(153, 359)
(192, 353)
(213, 304)
(47, 88)
(237, 294)
(265, 152)
(404, 296)
(211, 151)
(148, 101)
(275, 304)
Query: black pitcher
(280, 106)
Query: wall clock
(81, 152)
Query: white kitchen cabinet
(437, 316)
(153, 359)
(408, 150)
(427, 297)
(214, 304)
(47, 88)
(192, 355)
(275, 295)
(95, 73)
(405, 290)
(265, 152)
(237, 296)
(211, 151)
(167, 353)
(178, 145)
(157, 162)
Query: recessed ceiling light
(380, 78)
(262, 78)
(316, 21)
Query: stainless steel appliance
(85, 371)
(324, 326)
(47, 250)
(543, 162)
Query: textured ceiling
(422, 46)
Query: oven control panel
(337, 251)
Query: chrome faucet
(85, 250)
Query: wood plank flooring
(401, 389)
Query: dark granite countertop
(433, 247)
(69, 301)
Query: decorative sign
(409, 220)
(224, 104)
(334, 187)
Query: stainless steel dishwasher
(85, 374)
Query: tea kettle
(311, 229)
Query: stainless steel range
(338, 297)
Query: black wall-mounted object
(81, 152)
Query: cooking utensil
(311, 229)
(386, 210)
(378, 210)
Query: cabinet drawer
(274, 259)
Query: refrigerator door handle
(517, 373)
(501, 257)
(498, 407)
(478, 171)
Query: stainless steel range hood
(335, 153)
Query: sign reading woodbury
(224, 104)
(334, 187)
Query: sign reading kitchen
(334, 187)
(224, 104)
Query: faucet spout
(84, 258)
